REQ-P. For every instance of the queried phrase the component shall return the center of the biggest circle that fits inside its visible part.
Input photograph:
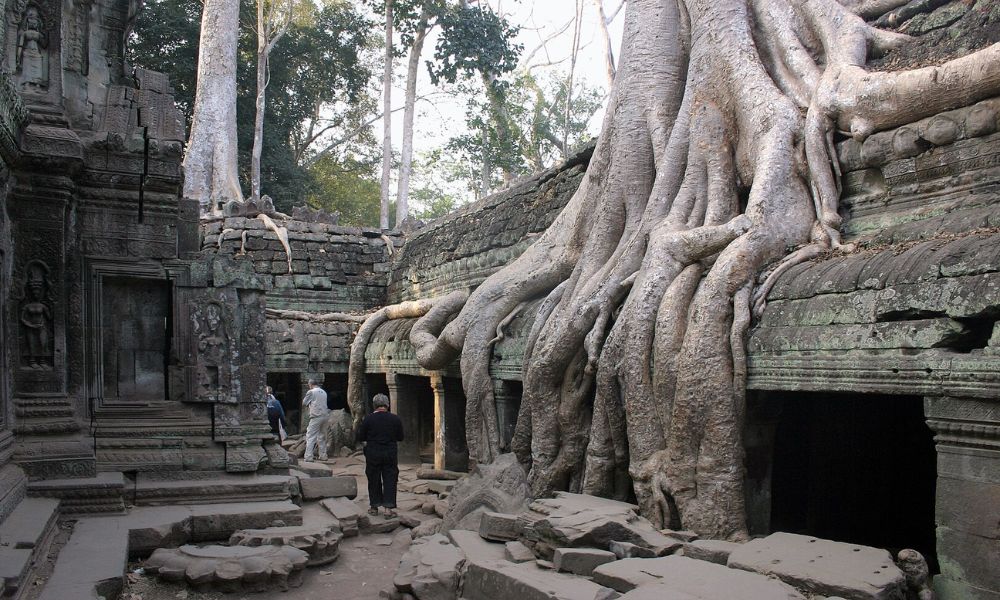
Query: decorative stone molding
(321, 543)
(230, 568)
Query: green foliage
(349, 187)
(319, 75)
(474, 42)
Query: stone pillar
(507, 397)
(404, 404)
(437, 383)
(967, 508)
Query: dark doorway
(855, 468)
(456, 448)
(375, 383)
(135, 317)
(335, 386)
(288, 390)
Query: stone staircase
(92, 563)
(214, 488)
(25, 537)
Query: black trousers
(382, 470)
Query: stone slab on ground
(316, 488)
(230, 568)
(690, 579)
(379, 524)
(629, 573)
(25, 536)
(500, 527)
(823, 567)
(92, 563)
(716, 551)
(581, 561)
(517, 552)
(583, 521)
(475, 547)
(430, 569)
(630, 550)
(526, 581)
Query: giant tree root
(716, 159)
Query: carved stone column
(437, 383)
(967, 510)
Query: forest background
(488, 83)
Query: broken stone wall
(332, 269)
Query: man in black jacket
(380, 431)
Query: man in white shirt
(315, 399)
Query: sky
(442, 116)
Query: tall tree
(210, 165)
(418, 35)
(383, 219)
(273, 19)
(715, 159)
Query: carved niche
(35, 318)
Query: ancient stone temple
(136, 340)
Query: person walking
(315, 399)
(275, 413)
(381, 431)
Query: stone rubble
(230, 568)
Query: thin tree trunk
(572, 72)
(210, 168)
(383, 219)
(406, 164)
(609, 53)
(258, 123)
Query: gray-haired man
(318, 414)
(380, 431)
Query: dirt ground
(365, 566)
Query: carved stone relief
(31, 58)
(35, 318)
(208, 323)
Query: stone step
(221, 488)
(92, 563)
(25, 537)
(102, 494)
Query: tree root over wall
(716, 160)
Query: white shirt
(316, 401)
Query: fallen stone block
(526, 581)
(430, 569)
(346, 512)
(427, 508)
(545, 564)
(313, 469)
(317, 488)
(428, 527)
(440, 486)
(500, 486)
(683, 535)
(630, 550)
(230, 568)
(582, 521)
(517, 552)
(690, 579)
(475, 547)
(439, 474)
(500, 527)
(379, 524)
(408, 521)
(823, 567)
(321, 543)
(716, 551)
(581, 561)
(441, 508)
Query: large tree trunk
(406, 158)
(210, 168)
(715, 159)
(258, 121)
(383, 219)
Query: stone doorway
(288, 390)
(855, 468)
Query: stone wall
(462, 249)
(332, 269)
